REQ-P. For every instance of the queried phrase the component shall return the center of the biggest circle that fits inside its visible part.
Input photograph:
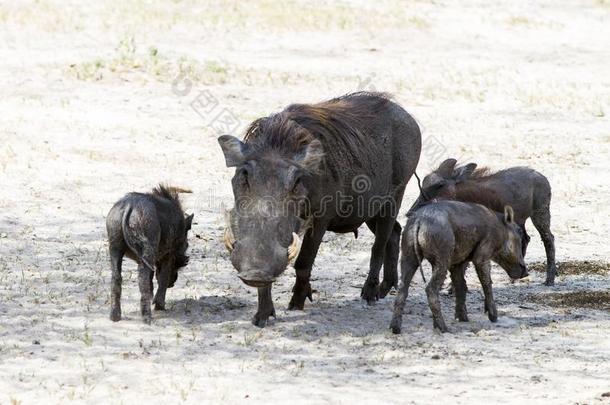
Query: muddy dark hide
(524, 189)
(451, 234)
(301, 172)
(151, 229)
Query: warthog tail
(416, 249)
(128, 241)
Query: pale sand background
(87, 113)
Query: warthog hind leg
(439, 272)
(390, 262)
(383, 230)
(459, 285)
(408, 267)
(116, 262)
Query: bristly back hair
(470, 190)
(169, 192)
(338, 123)
(481, 172)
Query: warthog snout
(259, 255)
(524, 272)
(519, 273)
(292, 251)
(256, 278)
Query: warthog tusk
(229, 239)
(295, 246)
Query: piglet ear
(310, 158)
(233, 149)
(188, 221)
(509, 215)
(445, 169)
(464, 172)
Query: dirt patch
(575, 268)
(576, 299)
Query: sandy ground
(104, 98)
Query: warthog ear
(234, 150)
(311, 156)
(509, 215)
(464, 172)
(445, 169)
(188, 221)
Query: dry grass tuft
(576, 299)
(575, 268)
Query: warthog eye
(243, 175)
(297, 188)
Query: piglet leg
(439, 272)
(145, 271)
(408, 267)
(484, 273)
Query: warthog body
(527, 191)
(312, 168)
(450, 234)
(152, 230)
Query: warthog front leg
(525, 239)
(484, 273)
(303, 264)
(542, 221)
(408, 267)
(163, 271)
(458, 283)
(439, 272)
(265, 307)
(116, 262)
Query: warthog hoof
(386, 286)
(461, 316)
(261, 317)
(370, 291)
(299, 293)
(146, 314)
(115, 314)
(550, 276)
(396, 326)
(492, 313)
(159, 307)
(440, 326)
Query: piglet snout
(524, 272)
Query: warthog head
(510, 257)
(441, 183)
(271, 188)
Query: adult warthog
(527, 191)
(312, 168)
